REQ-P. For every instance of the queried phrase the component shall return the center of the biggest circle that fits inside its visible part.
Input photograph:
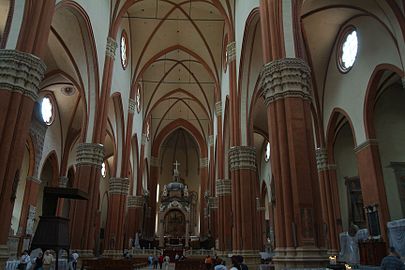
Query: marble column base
(4, 255)
(300, 258)
(84, 254)
(112, 253)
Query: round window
(348, 47)
(124, 49)
(47, 110)
(267, 154)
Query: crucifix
(176, 170)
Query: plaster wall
(347, 91)
(15, 220)
(389, 122)
(345, 166)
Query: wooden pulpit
(52, 231)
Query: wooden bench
(191, 264)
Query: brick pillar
(134, 215)
(329, 201)
(286, 87)
(117, 199)
(204, 194)
(223, 192)
(37, 131)
(372, 181)
(242, 163)
(89, 158)
(152, 186)
(20, 75)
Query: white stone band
(131, 106)
(213, 202)
(242, 157)
(218, 108)
(135, 201)
(288, 77)
(223, 187)
(111, 47)
(231, 51)
(211, 140)
(118, 185)
(204, 162)
(90, 154)
(21, 72)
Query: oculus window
(47, 110)
(348, 48)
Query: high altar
(175, 213)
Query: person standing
(24, 260)
(47, 260)
(39, 262)
(166, 262)
(392, 261)
(161, 260)
(74, 258)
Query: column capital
(90, 154)
(63, 180)
(211, 140)
(144, 139)
(111, 47)
(135, 201)
(231, 51)
(223, 187)
(365, 144)
(34, 179)
(204, 162)
(213, 202)
(287, 77)
(21, 72)
(118, 185)
(242, 157)
(321, 159)
(131, 105)
(218, 108)
(37, 131)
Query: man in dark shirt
(392, 261)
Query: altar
(174, 214)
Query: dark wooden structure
(52, 231)
(372, 252)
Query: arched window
(124, 49)
(347, 49)
(267, 154)
(138, 98)
(47, 110)
(103, 170)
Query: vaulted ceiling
(177, 54)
